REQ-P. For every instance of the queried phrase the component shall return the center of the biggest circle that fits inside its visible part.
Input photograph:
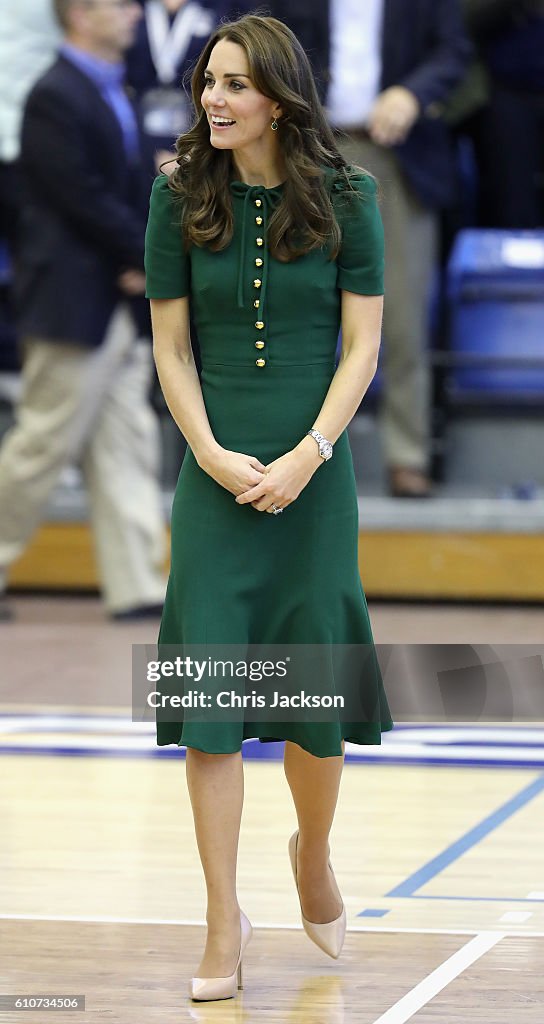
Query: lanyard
(169, 43)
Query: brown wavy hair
(304, 218)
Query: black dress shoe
(7, 613)
(140, 611)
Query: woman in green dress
(272, 243)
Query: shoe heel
(239, 976)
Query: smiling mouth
(221, 122)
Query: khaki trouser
(411, 241)
(92, 406)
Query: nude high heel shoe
(206, 989)
(330, 935)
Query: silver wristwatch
(325, 447)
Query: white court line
(270, 925)
(439, 978)
(201, 923)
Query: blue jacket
(84, 215)
(426, 49)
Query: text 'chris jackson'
(231, 699)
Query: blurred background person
(386, 68)
(29, 38)
(84, 323)
(507, 130)
(169, 38)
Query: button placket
(257, 283)
(258, 205)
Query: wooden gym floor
(440, 865)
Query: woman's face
(239, 115)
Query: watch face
(325, 449)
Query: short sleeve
(361, 258)
(167, 265)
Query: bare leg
(314, 783)
(216, 791)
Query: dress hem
(384, 727)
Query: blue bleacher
(495, 286)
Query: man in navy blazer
(85, 211)
(424, 47)
(82, 316)
(169, 40)
(385, 69)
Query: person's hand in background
(393, 115)
(132, 282)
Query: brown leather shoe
(405, 482)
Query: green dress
(239, 575)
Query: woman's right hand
(234, 471)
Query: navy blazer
(84, 214)
(425, 48)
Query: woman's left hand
(283, 481)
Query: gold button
(257, 303)
(259, 241)
(260, 362)
(259, 325)
(259, 344)
(257, 283)
(258, 220)
(258, 262)
(258, 202)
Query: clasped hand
(279, 483)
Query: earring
(274, 126)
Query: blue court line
(253, 755)
(433, 867)
(30, 751)
(452, 761)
